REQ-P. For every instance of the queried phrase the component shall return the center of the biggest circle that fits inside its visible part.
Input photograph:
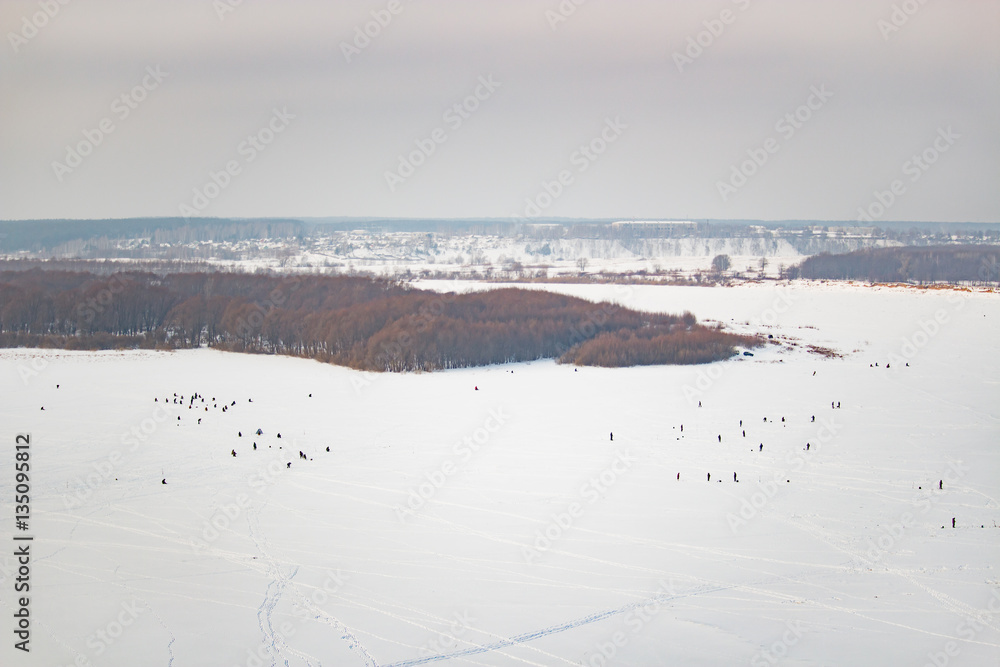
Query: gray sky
(673, 129)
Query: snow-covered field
(502, 525)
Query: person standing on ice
(612, 436)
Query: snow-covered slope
(486, 517)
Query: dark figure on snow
(289, 464)
(163, 481)
(734, 478)
(612, 437)
(199, 420)
(782, 420)
(327, 449)
(279, 435)
(814, 417)
(678, 476)
(260, 432)
(720, 437)
(255, 446)
(240, 434)
(807, 446)
(831, 405)
(952, 522)
(310, 395)
(940, 484)
(741, 423)
(234, 452)
(761, 447)
(682, 428)
(838, 405)
(699, 404)
(709, 478)
(744, 434)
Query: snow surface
(549, 544)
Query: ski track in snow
(562, 627)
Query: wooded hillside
(362, 323)
(952, 263)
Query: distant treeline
(36, 235)
(363, 323)
(951, 263)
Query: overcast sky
(778, 109)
